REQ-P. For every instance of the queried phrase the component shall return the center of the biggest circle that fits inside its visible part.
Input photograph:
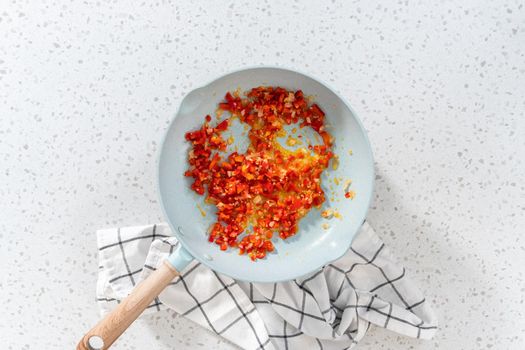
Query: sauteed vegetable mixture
(269, 188)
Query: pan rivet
(96, 343)
(180, 230)
(207, 257)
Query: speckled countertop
(87, 89)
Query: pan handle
(102, 336)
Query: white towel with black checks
(330, 309)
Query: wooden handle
(117, 321)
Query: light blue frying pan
(318, 241)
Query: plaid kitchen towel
(330, 309)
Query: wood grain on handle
(119, 319)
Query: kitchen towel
(329, 309)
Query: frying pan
(189, 218)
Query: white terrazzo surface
(87, 89)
